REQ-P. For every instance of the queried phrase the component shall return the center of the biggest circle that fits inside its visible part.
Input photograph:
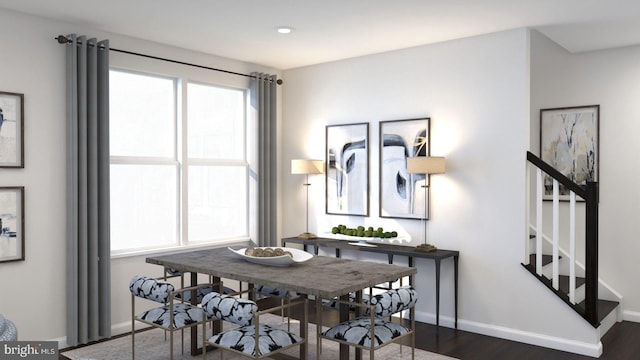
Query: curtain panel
(263, 95)
(88, 244)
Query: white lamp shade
(426, 165)
(303, 166)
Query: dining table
(322, 277)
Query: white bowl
(299, 256)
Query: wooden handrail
(590, 196)
(551, 171)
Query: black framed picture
(402, 195)
(569, 141)
(347, 177)
(11, 223)
(11, 130)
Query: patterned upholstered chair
(375, 329)
(250, 338)
(171, 316)
(8, 331)
(284, 295)
(201, 291)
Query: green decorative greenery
(360, 231)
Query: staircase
(560, 271)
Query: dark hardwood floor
(622, 342)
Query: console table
(391, 249)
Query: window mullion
(183, 159)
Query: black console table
(390, 249)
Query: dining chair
(376, 327)
(251, 338)
(284, 295)
(8, 331)
(173, 315)
(201, 291)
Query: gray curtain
(88, 245)
(263, 95)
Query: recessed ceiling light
(284, 29)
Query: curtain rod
(64, 40)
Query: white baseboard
(116, 329)
(631, 316)
(577, 347)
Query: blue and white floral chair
(251, 338)
(171, 316)
(376, 329)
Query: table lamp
(307, 167)
(426, 165)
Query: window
(179, 170)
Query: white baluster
(572, 248)
(539, 185)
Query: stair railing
(589, 194)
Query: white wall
(610, 78)
(476, 91)
(34, 64)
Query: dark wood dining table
(321, 276)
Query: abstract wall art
(11, 130)
(347, 177)
(401, 193)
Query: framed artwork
(569, 142)
(347, 178)
(11, 223)
(11, 130)
(402, 195)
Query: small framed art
(11, 130)
(11, 223)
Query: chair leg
(413, 345)
(133, 328)
(171, 344)
(204, 344)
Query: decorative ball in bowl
(281, 256)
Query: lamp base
(426, 248)
(307, 235)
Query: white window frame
(181, 161)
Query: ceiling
(328, 30)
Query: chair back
(393, 301)
(152, 289)
(228, 308)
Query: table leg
(304, 329)
(410, 264)
(344, 316)
(437, 295)
(455, 275)
(359, 313)
(318, 326)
